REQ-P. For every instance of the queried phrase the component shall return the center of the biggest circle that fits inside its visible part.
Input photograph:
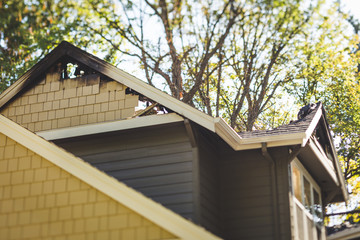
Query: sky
(353, 6)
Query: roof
(299, 126)
(66, 49)
(295, 133)
(304, 128)
(111, 187)
(217, 125)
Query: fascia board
(104, 127)
(298, 137)
(336, 162)
(341, 178)
(229, 135)
(118, 191)
(324, 161)
(313, 123)
(278, 143)
(226, 132)
(151, 92)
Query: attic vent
(69, 72)
(304, 111)
(73, 70)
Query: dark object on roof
(298, 126)
(304, 111)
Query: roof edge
(226, 132)
(324, 161)
(314, 122)
(38, 68)
(66, 48)
(118, 191)
(111, 126)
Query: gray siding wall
(158, 162)
(227, 192)
(247, 196)
(209, 200)
(283, 188)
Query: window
(296, 177)
(317, 209)
(307, 208)
(307, 194)
(306, 191)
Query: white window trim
(310, 215)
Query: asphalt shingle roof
(297, 126)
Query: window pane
(318, 218)
(296, 182)
(307, 194)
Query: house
(259, 185)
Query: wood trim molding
(104, 127)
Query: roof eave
(112, 126)
(228, 134)
(333, 171)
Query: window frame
(313, 187)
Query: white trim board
(104, 127)
(222, 129)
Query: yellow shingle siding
(56, 103)
(38, 200)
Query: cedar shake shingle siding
(58, 103)
(39, 200)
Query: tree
(210, 54)
(28, 30)
(328, 72)
(228, 58)
(260, 51)
(190, 36)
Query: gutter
(238, 143)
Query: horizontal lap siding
(157, 162)
(246, 196)
(209, 186)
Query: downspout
(274, 189)
(274, 183)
